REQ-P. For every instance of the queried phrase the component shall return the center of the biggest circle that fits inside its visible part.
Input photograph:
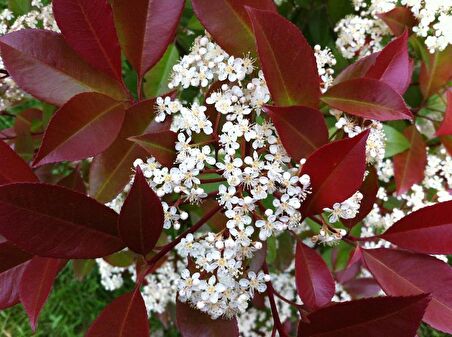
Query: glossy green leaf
(396, 142)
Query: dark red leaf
(13, 168)
(126, 316)
(436, 73)
(287, 59)
(446, 126)
(401, 273)
(367, 98)
(362, 287)
(409, 165)
(447, 142)
(428, 230)
(83, 127)
(159, 144)
(302, 130)
(357, 69)
(315, 284)
(146, 29)
(398, 20)
(193, 323)
(369, 190)
(53, 221)
(42, 64)
(111, 170)
(393, 65)
(336, 171)
(383, 316)
(74, 181)
(36, 284)
(11, 256)
(229, 24)
(9, 291)
(141, 220)
(87, 26)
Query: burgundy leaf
(362, 287)
(409, 165)
(428, 230)
(83, 127)
(382, 316)
(446, 126)
(302, 130)
(13, 168)
(87, 26)
(9, 291)
(287, 59)
(436, 73)
(36, 284)
(126, 316)
(159, 144)
(11, 256)
(194, 323)
(52, 221)
(369, 190)
(401, 273)
(393, 65)
(367, 98)
(74, 181)
(336, 171)
(357, 69)
(315, 284)
(146, 29)
(398, 20)
(111, 170)
(229, 24)
(141, 220)
(43, 65)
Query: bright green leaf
(396, 142)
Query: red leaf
(383, 316)
(146, 29)
(315, 284)
(85, 126)
(193, 323)
(436, 73)
(9, 291)
(159, 144)
(428, 230)
(336, 171)
(87, 26)
(111, 170)
(302, 130)
(52, 221)
(409, 165)
(141, 220)
(74, 182)
(401, 273)
(393, 65)
(367, 98)
(42, 64)
(398, 20)
(287, 59)
(229, 24)
(126, 316)
(36, 284)
(11, 256)
(446, 126)
(357, 69)
(362, 287)
(13, 168)
(369, 190)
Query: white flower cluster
(41, 16)
(250, 164)
(435, 22)
(376, 142)
(112, 277)
(325, 63)
(345, 210)
(362, 33)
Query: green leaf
(338, 9)
(157, 79)
(19, 7)
(396, 142)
